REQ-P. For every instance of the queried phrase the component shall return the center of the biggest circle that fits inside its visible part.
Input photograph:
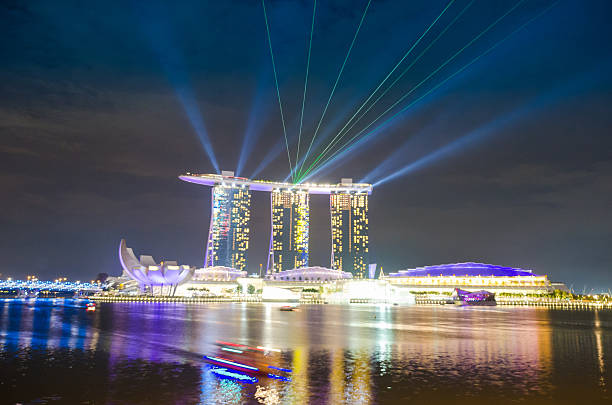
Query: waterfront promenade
(549, 303)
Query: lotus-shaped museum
(151, 274)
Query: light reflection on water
(151, 353)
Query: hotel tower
(290, 228)
(349, 232)
(228, 237)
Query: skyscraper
(349, 228)
(290, 228)
(228, 237)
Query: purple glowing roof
(462, 270)
(264, 185)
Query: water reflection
(361, 354)
(600, 356)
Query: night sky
(104, 104)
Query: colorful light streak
(417, 86)
(233, 363)
(268, 349)
(227, 349)
(394, 69)
(331, 95)
(223, 372)
(279, 377)
(237, 345)
(286, 370)
(346, 148)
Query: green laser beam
(280, 104)
(407, 69)
(393, 70)
(331, 95)
(493, 24)
(297, 155)
(394, 116)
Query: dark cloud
(94, 134)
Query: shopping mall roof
(463, 270)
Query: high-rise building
(228, 237)
(349, 228)
(290, 228)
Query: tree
(251, 289)
(239, 289)
(101, 277)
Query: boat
(231, 358)
(289, 308)
(476, 298)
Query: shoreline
(558, 304)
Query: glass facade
(290, 229)
(349, 231)
(228, 237)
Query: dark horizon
(103, 106)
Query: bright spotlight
(500, 123)
(259, 112)
(160, 34)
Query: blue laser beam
(187, 98)
(171, 60)
(406, 149)
(502, 122)
(401, 99)
(275, 150)
(272, 154)
(258, 114)
(344, 149)
(390, 73)
(451, 148)
(349, 152)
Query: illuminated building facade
(290, 228)
(314, 274)
(160, 278)
(471, 276)
(349, 231)
(228, 237)
(229, 228)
